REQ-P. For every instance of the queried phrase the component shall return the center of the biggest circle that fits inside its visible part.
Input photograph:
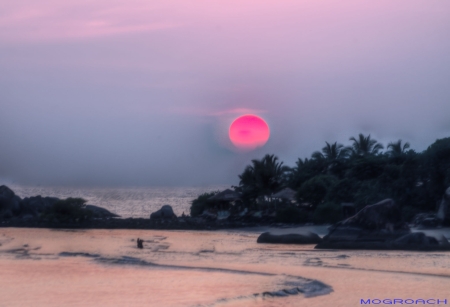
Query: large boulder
(379, 226)
(416, 238)
(377, 222)
(419, 241)
(426, 220)
(384, 215)
(443, 213)
(9, 202)
(99, 212)
(306, 238)
(166, 212)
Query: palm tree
(268, 174)
(331, 155)
(364, 146)
(334, 152)
(396, 149)
(263, 177)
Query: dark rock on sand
(426, 220)
(166, 212)
(416, 238)
(99, 212)
(378, 226)
(306, 238)
(384, 215)
(378, 222)
(443, 213)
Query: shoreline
(142, 223)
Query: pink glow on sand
(249, 132)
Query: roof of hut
(226, 195)
(286, 193)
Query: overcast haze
(139, 93)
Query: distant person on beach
(140, 243)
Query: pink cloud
(66, 20)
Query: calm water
(126, 202)
(41, 267)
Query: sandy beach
(42, 267)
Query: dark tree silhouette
(365, 146)
(396, 149)
(263, 177)
(332, 156)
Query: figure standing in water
(140, 243)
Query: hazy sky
(142, 92)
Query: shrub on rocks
(68, 210)
(200, 203)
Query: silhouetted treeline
(363, 173)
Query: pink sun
(249, 132)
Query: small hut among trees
(224, 200)
(285, 196)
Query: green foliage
(343, 191)
(68, 210)
(359, 173)
(291, 215)
(333, 157)
(327, 213)
(315, 189)
(305, 170)
(369, 192)
(396, 149)
(436, 163)
(366, 168)
(262, 178)
(364, 146)
(200, 203)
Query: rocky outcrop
(443, 213)
(415, 238)
(99, 212)
(426, 221)
(166, 212)
(306, 238)
(32, 208)
(384, 215)
(377, 222)
(378, 226)
(9, 202)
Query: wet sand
(42, 267)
